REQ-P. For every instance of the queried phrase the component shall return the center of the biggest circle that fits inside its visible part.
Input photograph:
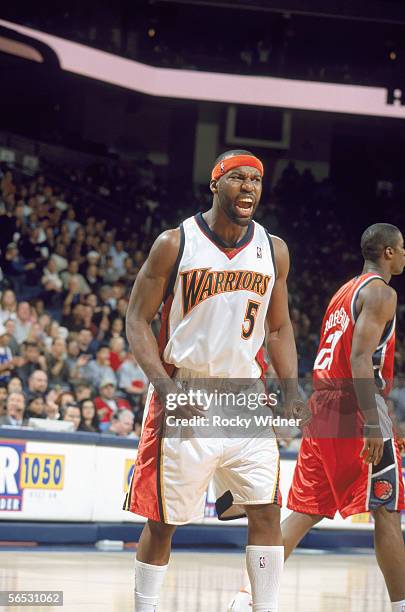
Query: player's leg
(247, 482)
(390, 553)
(380, 489)
(310, 498)
(151, 563)
(264, 525)
(155, 543)
(264, 556)
(295, 527)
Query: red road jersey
(332, 364)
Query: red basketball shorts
(330, 475)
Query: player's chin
(242, 221)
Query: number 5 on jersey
(250, 319)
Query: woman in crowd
(89, 419)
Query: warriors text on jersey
(213, 320)
(333, 359)
(212, 326)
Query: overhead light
(393, 56)
(151, 32)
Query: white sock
(398, 606)
(148, 581)
(265, 566)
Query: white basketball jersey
(214, 316)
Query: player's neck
(376, 269)
(222, 226)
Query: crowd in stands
(66, 273)
(64, 292)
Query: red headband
(235, 162)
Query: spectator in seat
(118, 255)
(131, 378)
(52, 284)
(23, 323)
(83, 391)
(117, 328)
(51, 406)
(122, 425)
(97, 369)
(33, 360)
(3, 398)
(64, 399)
(109, 273)
(58, 370)
(7, 364)
(13, 344)
(93, 278)
(72, 355)
(108, 403)
(70, 222)
(8, 306)
(15, 267)
(87, 344)
(73, 273)
(14, 385)
(35, 407)
(72, 414)
(38, 382)
(122, 305)
(72, 312)
(59, 257)
(14, 410)
(117, 352)
(89, 417)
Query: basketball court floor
(196, 581)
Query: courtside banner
(46, 481)
(51, 481)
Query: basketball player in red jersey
(354, 367)
(222, 278)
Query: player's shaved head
(232, 153)
(377, 238)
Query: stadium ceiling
(200, 85)
(382, 11)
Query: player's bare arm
(146, 297)
(280, 338)
(376, 307)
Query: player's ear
(388, 252)
(214, 186)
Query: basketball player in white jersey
(222, 278)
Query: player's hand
(401, 445)
(302, 412)
(372, 450)
(299, 410)
(172, 399)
